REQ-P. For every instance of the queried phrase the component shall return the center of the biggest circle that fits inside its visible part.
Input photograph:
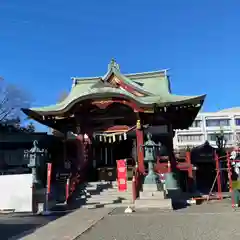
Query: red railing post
(67, 190)
(190, 170)
(134, 189)
(219, 186)
(229, 169)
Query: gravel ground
(215, 221)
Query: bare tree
(12, 99)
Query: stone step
(129, 185)
(120, 196)
(123, 197)
(116, 193)
(127, 190)
(116, 186)
(150, 187)
(115, 182)
(153, 203)
(106, 201)
(93, 192)
(152, 195)
(127, 201)
(98, 197)
(91, 188)
(92, 206)
(98, 183)
(120, 205)
(111, 191)
(109, 205)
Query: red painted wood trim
(103, 104)
(190, 169)
(140, 139)
(130, 89)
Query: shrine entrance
(115, 103)
(105, 156)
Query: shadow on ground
(8, 231)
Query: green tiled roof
(154, 86)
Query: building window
(196, 124)
(237, 138)
(217, 122)
(190, 138)
(227, 136)
(237, 122)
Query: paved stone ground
(14, 224)
(69, 226)
(215, 221)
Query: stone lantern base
(152, 197)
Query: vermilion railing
(136, 183)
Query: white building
(205, 127)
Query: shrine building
(106, 118)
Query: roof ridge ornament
(113, 64)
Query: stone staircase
(103, 194)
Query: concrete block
(150, 187)
(153, 203)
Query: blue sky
(45, 43)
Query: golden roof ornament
(138, 125)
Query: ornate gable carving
(115, 82)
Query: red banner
(49, 174)
(122, 175)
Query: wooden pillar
(140, 142)
(171, 155)
(65, 149)
(80, 151)
(189, 163)
(106, 156)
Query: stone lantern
(36, 158)
(150, 157)
(220, 141)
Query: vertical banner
(122, 175)
(49, 174)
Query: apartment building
(205, 127)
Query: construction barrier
(16, 193)
(218, 179)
